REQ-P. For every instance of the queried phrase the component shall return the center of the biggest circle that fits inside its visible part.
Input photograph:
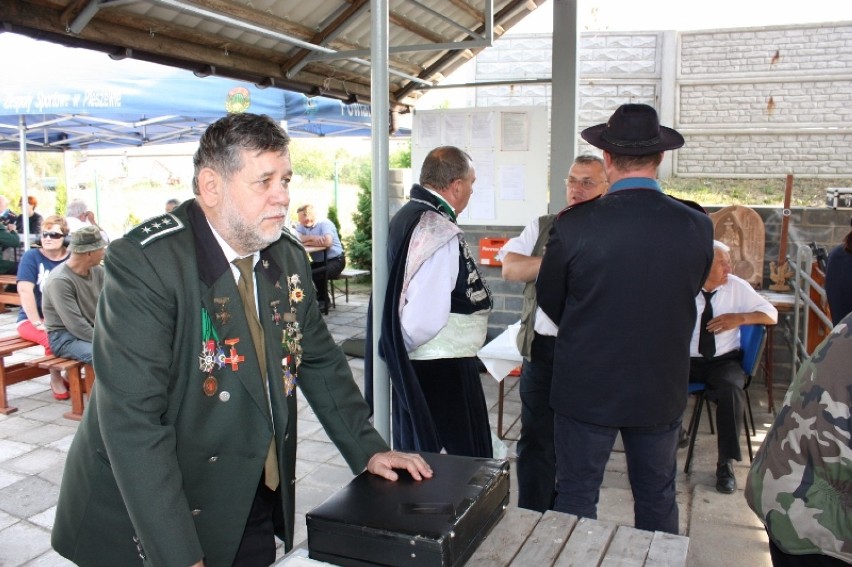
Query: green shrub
(359, 246)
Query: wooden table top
(525, 537)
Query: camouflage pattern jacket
(800, 483)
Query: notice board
(509, 150)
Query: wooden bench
(345, 275)
(80, 376)
(8, 297)
(14, 373)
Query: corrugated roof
(317, 47)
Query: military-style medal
(210, 348)
(210, 386)
(289, 377)
(276, 316)
(222, 315)
(291, 337)
(235, 359)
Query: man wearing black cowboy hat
(620, 276)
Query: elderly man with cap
(70, 296)
(619, 277)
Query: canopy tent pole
(25, 219)
(380, 100)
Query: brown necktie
(246, 288)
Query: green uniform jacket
(162, 472)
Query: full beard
(250, 237)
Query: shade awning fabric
(73, 99)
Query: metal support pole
(25, 222)
(380, 101)
(563, 114)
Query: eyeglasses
(52, 235)
(584, 183)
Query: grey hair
(222, 144)
(585, 159)
(76, 208)
(443, 165)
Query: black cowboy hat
(633, 130)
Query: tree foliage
(401, 159)
(359, 246)
(333, 217)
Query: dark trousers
(582, 451)
(536, 464)
(453, 391)
(782, 559)
(321, 272)
(724, 379)
(257, 547)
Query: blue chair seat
(752, 343)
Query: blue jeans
(582, 451)
(66, 345)
(536, 465)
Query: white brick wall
(793, 49)
(750, 102)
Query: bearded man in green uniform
(208, 320)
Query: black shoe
(726, 482)
(323, 306)
(683, 442)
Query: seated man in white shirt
(78, 215)
(716, 356)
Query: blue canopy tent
(55, 98)
(65, 98)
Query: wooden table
(527, 538)
(524, 538)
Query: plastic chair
(752, 343)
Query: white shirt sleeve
(426, 305)
(523, 243)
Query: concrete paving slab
(35, 462)
(724, 531)
(28, 497)
(20, 425)
(44, 433)
(13, 449)
(23, 542)
(44, 519)
(50, 559)
(7, 520)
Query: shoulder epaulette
(292, 237)
(155, 228)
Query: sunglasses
(53, 235)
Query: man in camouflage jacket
(800, 484)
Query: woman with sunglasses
(33, 269)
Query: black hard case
(431, 523)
